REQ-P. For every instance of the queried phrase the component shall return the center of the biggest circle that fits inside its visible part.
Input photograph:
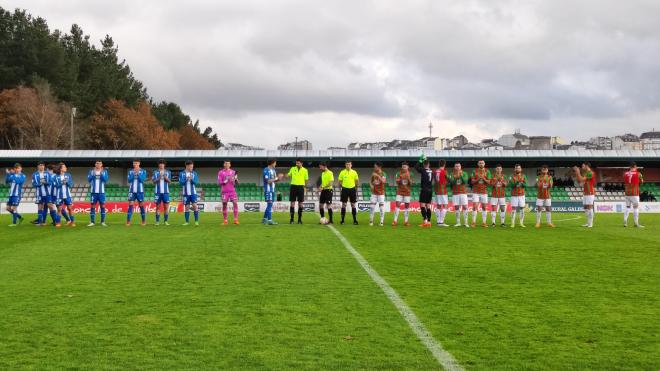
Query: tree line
(44, 74)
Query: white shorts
(494, 201)
(404, 199)
(543, 202)
(377, 199)
(480, 198)
(441, 199)
(517, 201)
(588, 200)
(632, 201)
(460, 200)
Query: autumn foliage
(31, 118)
(118, 127)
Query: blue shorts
(192, 199)
(52, 199)
(161, 198)
(139, 197)
(269, 196)
(64, 201)
(14, 201)
(98, 197)
(43, 200)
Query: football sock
(92, 214)
(235, 204)
(636, 216)
(292, 211)
(626, 214)
(354, 212)
(196, 214)
(330, 214)
(187, 215)
(381, 208)
(548, 217)
(129, 214)
(143, 214)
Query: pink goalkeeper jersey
(226, 180)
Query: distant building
(458, 142)
(650, 140)
(540, 143)
(493, 146)
(515, 140)
(471, 146)
(602, 142)
(239, 146)
(627, 141)
(301, 145)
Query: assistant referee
(299, 176)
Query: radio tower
(430, 129)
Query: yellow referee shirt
(348, 178)
(298, 177)
(327, 177)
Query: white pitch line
(444, 358)
(565, 220)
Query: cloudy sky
(263, 72)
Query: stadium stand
(251, 161)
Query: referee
(348, 178)
(326, 181)
(299, 176)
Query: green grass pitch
(292, 297)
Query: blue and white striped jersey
(162, 187)
(188, 180)
(52, 189)
(41, 183)
(136, 182)
(97, 180)
(269, 174)
(15, 182)
(63, 185)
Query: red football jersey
(440, 181)
(632, 180)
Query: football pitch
(295, 297)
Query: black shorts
(348, 194)
(326, 196)
(425, 196)
(297, 193)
